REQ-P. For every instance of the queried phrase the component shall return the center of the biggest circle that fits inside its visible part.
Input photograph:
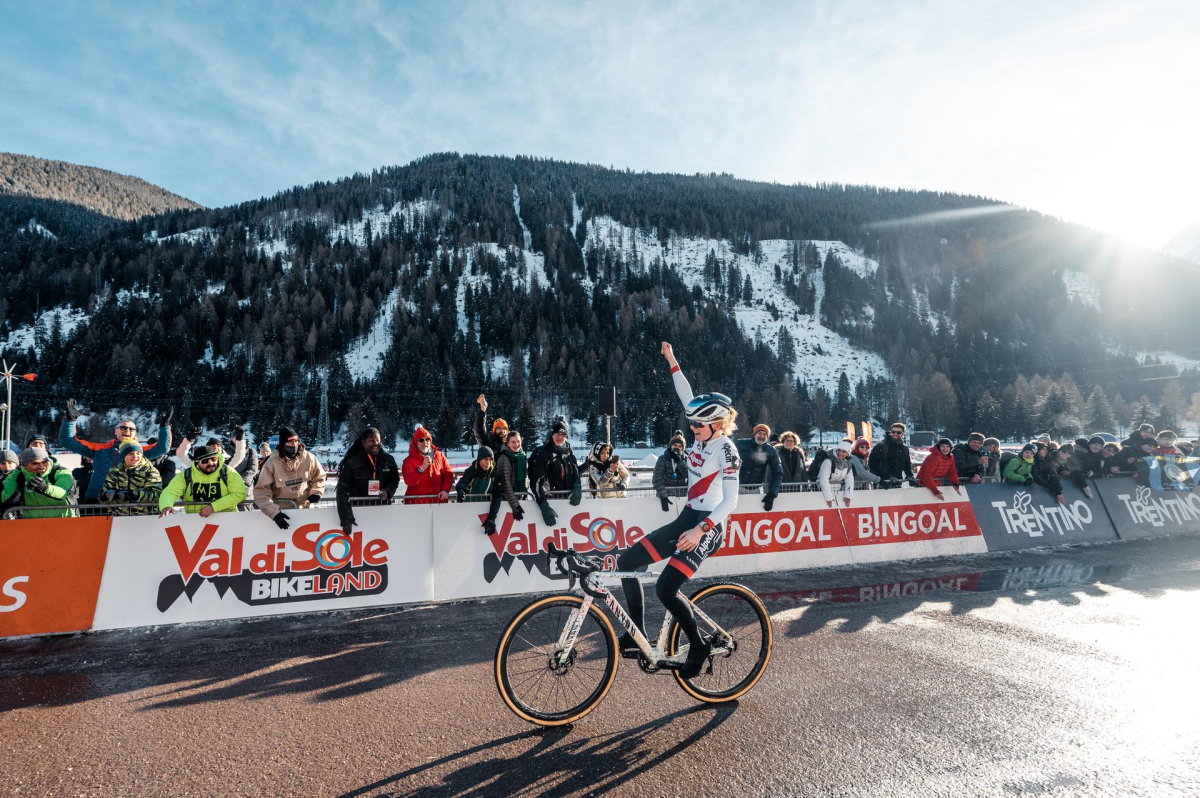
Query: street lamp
(7, 406)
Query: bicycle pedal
(631, 653)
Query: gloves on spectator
(461, 495)
(548, 514)
(281, 520)
(72, 410)
(108, 496)
(193, 434)
(489, 526)
(313, 498)
(576, 495)
(239, 433)
(768, 502)
(165, 421)
(347, 527)
(666, 504)
(518, 512)
(36, 484)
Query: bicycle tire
(706, 687)
(519, 685)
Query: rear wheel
(542, 683)
(740, 659)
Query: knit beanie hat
(862, 442)
(33, 454)
(1146, 428)
(946, 441)
(1029, 447)
(9, 456)
(498, 424)
(676, 436)
(762, 427)
(975, 436)
(127, 447)
(285, 433)
(558, 426)
(844, 446)
(991, 442)
(485, 451)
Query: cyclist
(713, 465)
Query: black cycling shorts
(662, 541)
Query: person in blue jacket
(104, 455)
(759, 456)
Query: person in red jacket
(939, 465)
(426, 470)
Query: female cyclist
(713, 465)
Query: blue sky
(1089, 111)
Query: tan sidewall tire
(605, 624)
(676, 630)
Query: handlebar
(576, 564)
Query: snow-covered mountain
(1185, 244)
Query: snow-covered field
(64, 317)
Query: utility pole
(324, 437)
(8, 405)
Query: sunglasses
(212, 459)
(128, 429)
(696, 424)
(896, 432)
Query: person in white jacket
(837, 469)
(239, 449)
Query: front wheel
(544, 684)
(740, 659)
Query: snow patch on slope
(380, 220)
(64, 317)
(527, 236)
(34, 226)
(1185, 244)
(364, 356)
(822, 354)
(1080, 288)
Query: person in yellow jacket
(208, 480)
(291, 472)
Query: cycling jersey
(712, 467)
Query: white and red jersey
(712, 467)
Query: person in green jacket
(1020, 469)
(133, 480)
(208, 480)
(38, 482)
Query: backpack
(814, 468)
(1006, 458)
(187, 483)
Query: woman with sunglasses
(858, 460)
(713, 466)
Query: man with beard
(366, 472)
(553, 469)
(670, 472)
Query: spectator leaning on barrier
(835, 468)
(670, 472)
(212, 485)
(1113, 460)
(607, 475)
(475, 484)
(292, 473)
(760, 464)
(1089, 457)
(970, 458)
(858, 461)
(991, 447)
(133, 480)
(38, 483)
(1143, 432)
(791, 459)
(104, 455)
(890, 458)
(553, 469)
(940, 465)
(1019, 470)
(367, 472)
(1056, 466)
(1166, 443)
(1184, 447)
(509, 482)
(495, 438)
(427, 472)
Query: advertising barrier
(50, 571)
(1139, 512)
(1028, 517)
(240, 565)
(909, 523)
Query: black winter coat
(670, 473)
(793, 465)
(757, 461)
(890, 460)
(967, 461)
(355, 475)
(483, 435)
(552, 470)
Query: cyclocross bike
(558, 656)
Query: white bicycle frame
(570, 632)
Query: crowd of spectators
(128, 477)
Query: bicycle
(558, 656)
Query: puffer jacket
(834, 471)
(1019, 471)
(793, 465)
(968, 462)
(57, 498)
(937, 466)
(295, 479)
(430, 481)
(224, 489)
(606, 483)
(104, 455)
(891, 460)
(509, 479)
(760, 465)
(671, 474)
(124, 485)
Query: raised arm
(682, 387)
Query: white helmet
(709, 408)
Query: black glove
(239, 433)
(518, 512)
(489, 526)
(548, 514)
(281, 520)
(72, 410)
(193, 434)
(36, 484)
(313, 498)
(1027, 482)
(768, 502)
(666, 504)
(461, 494)
(108, 495)
(165, 421)
(346, 528)
(576, 495)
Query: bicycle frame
(593, 587)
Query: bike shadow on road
(558, 764)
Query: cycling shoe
(694, 663)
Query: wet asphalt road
(1066, 672)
